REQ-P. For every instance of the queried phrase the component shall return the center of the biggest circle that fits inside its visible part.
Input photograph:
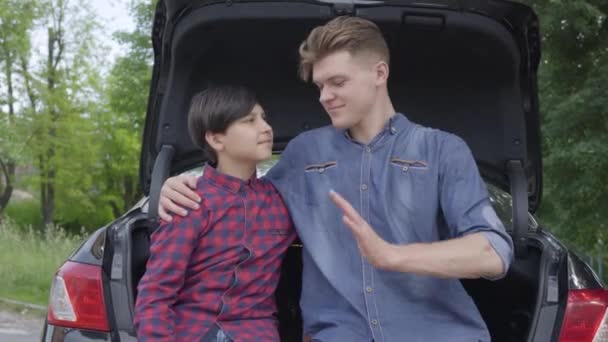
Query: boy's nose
(266, 127)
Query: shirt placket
(368, 270)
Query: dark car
(467, 67)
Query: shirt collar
(230, 183)
(395, 124)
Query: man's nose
(325, 95)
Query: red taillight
(77, 298)
(586, 316)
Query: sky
(114, 15)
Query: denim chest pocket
(318, 180)
(407, 165)
(413, 174)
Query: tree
(127, 91)
(16, 22)
(63, 92)
(574, 107)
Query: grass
(29, 259)
(23, 311)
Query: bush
(29, 259)
(25, 213)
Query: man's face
(347, 87)
(248, 139)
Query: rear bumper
(52, 333)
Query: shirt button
(374, 321)
(393, 130)
(368, 289)
(367, 149)
(363, 187)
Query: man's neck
(373, 123)
(241, 170)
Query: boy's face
(249, 139)
(348, 86)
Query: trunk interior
(507, 305)
(462, 76)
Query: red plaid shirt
(219, 264)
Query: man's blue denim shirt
(412, 184)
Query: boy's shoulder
(212, 196)
(268, 186)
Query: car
(467, 67)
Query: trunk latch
(344, 8)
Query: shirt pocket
(410, 181)
(407, 165)
(317, 183)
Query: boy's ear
(215, 140)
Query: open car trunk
(469, 70)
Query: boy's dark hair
(214, 110)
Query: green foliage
(122, 121)
(24, 213)
(77, 129)
(574, 108)
(29, 259)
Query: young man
(212, 274)
(423, 219)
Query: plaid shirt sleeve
(170, 248)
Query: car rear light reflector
(76, 299)
(586, 318)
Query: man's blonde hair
(352, 34)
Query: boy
(212, 274)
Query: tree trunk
(9, 168)
(128, 194)
(8, 189)
(48, 167)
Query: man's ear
(382, 71)
(215, 140)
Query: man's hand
(378, 252)
(176, 194)
(469, 256)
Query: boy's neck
(236, 169)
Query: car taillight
(586, 318)
(77, 298)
